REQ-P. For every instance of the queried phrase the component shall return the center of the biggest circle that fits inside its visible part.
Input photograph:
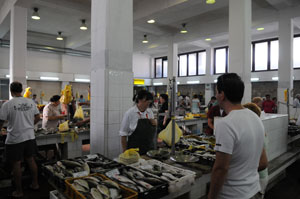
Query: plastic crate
(157, 191)
(175, 185)
(72, 193)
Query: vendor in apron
(138, 125)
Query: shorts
(17, 152)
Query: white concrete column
(172, 64)
(285, 68)
(18, 45)
(240, 42)
(111, 72)
(209, 88)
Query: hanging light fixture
(145, 41)
(35, 15)
(183, 30)
(83, 25)
(59, 37)
(210, 1)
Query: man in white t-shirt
(22, 114)
(239, 145)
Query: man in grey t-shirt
(21, 114)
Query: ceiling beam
(5, 9)
(77, 40)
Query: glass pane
(192, 64)
(251, 61)
(182, 65)
(158, 69)
(261, 56)
(165, 64)
(201, 63)
(296, 52)
(274, 55)
(220, 60)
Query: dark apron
(142, 137)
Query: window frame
(296, 35)
(187, 65)
(268, 56)
(226, 59)
(162, 65)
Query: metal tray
(184, 158)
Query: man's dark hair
(165, 97)
(81, 96)
(55, 98)
(213, 98)
(268, 95)
(143, 94)
(34, 95)
(232, 86)
(16, 87)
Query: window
(274, 55)
(182, 65)
(221, 60)
(201, 63)
(261, 56)
(161, 67)
(165, 67)
(296, 52)
(192, 64)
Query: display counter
(196, 124)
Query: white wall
(43, 62)
(141, 65)
(76, 65)
(4, 58)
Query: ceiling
(202, 21)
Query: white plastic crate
(175, 185)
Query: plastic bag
(66, 95)
(129, 156)
(189, 116)
(64, 126)
(79, 113)
(166, 134)
(27, 92)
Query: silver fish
(96, 193)
(111, 184)
(82, 183)
(92, 178)
(144, 184)
(151, 180)
(103, 190)
(123, 179)
(78, 187)
(114, 193)
(70, 163)
(165, 178)
(168, 175)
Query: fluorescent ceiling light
(210, 1)
(208, 39)
(215, 80)
(178, 82)
(183, 30)
(260, 29)
(157, 83)
(275, 78)
(82, 80)
(151, 21)
(59, 37)
(83, 25)
(49, 78)
(35, 15)
(145, 41)
(193, 82)
(254, 79)
(8, 76)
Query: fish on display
(96, 193)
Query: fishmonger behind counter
(51, 113)
(138, 125)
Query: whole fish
(70, 163)
(103, 190)
(92, 178)
(114, 193)
(96, 193)
(123, 179)
(151, 180)
(168, 175)
(144, 184)
(82, 183)
(111, 184)
(79, 187)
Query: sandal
(15, 195)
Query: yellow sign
(138, 81)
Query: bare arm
(58, 117)
(219, 173)
(210, 123)
(36, 118)
(165, 118)
(263, 162)
(124, 142)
